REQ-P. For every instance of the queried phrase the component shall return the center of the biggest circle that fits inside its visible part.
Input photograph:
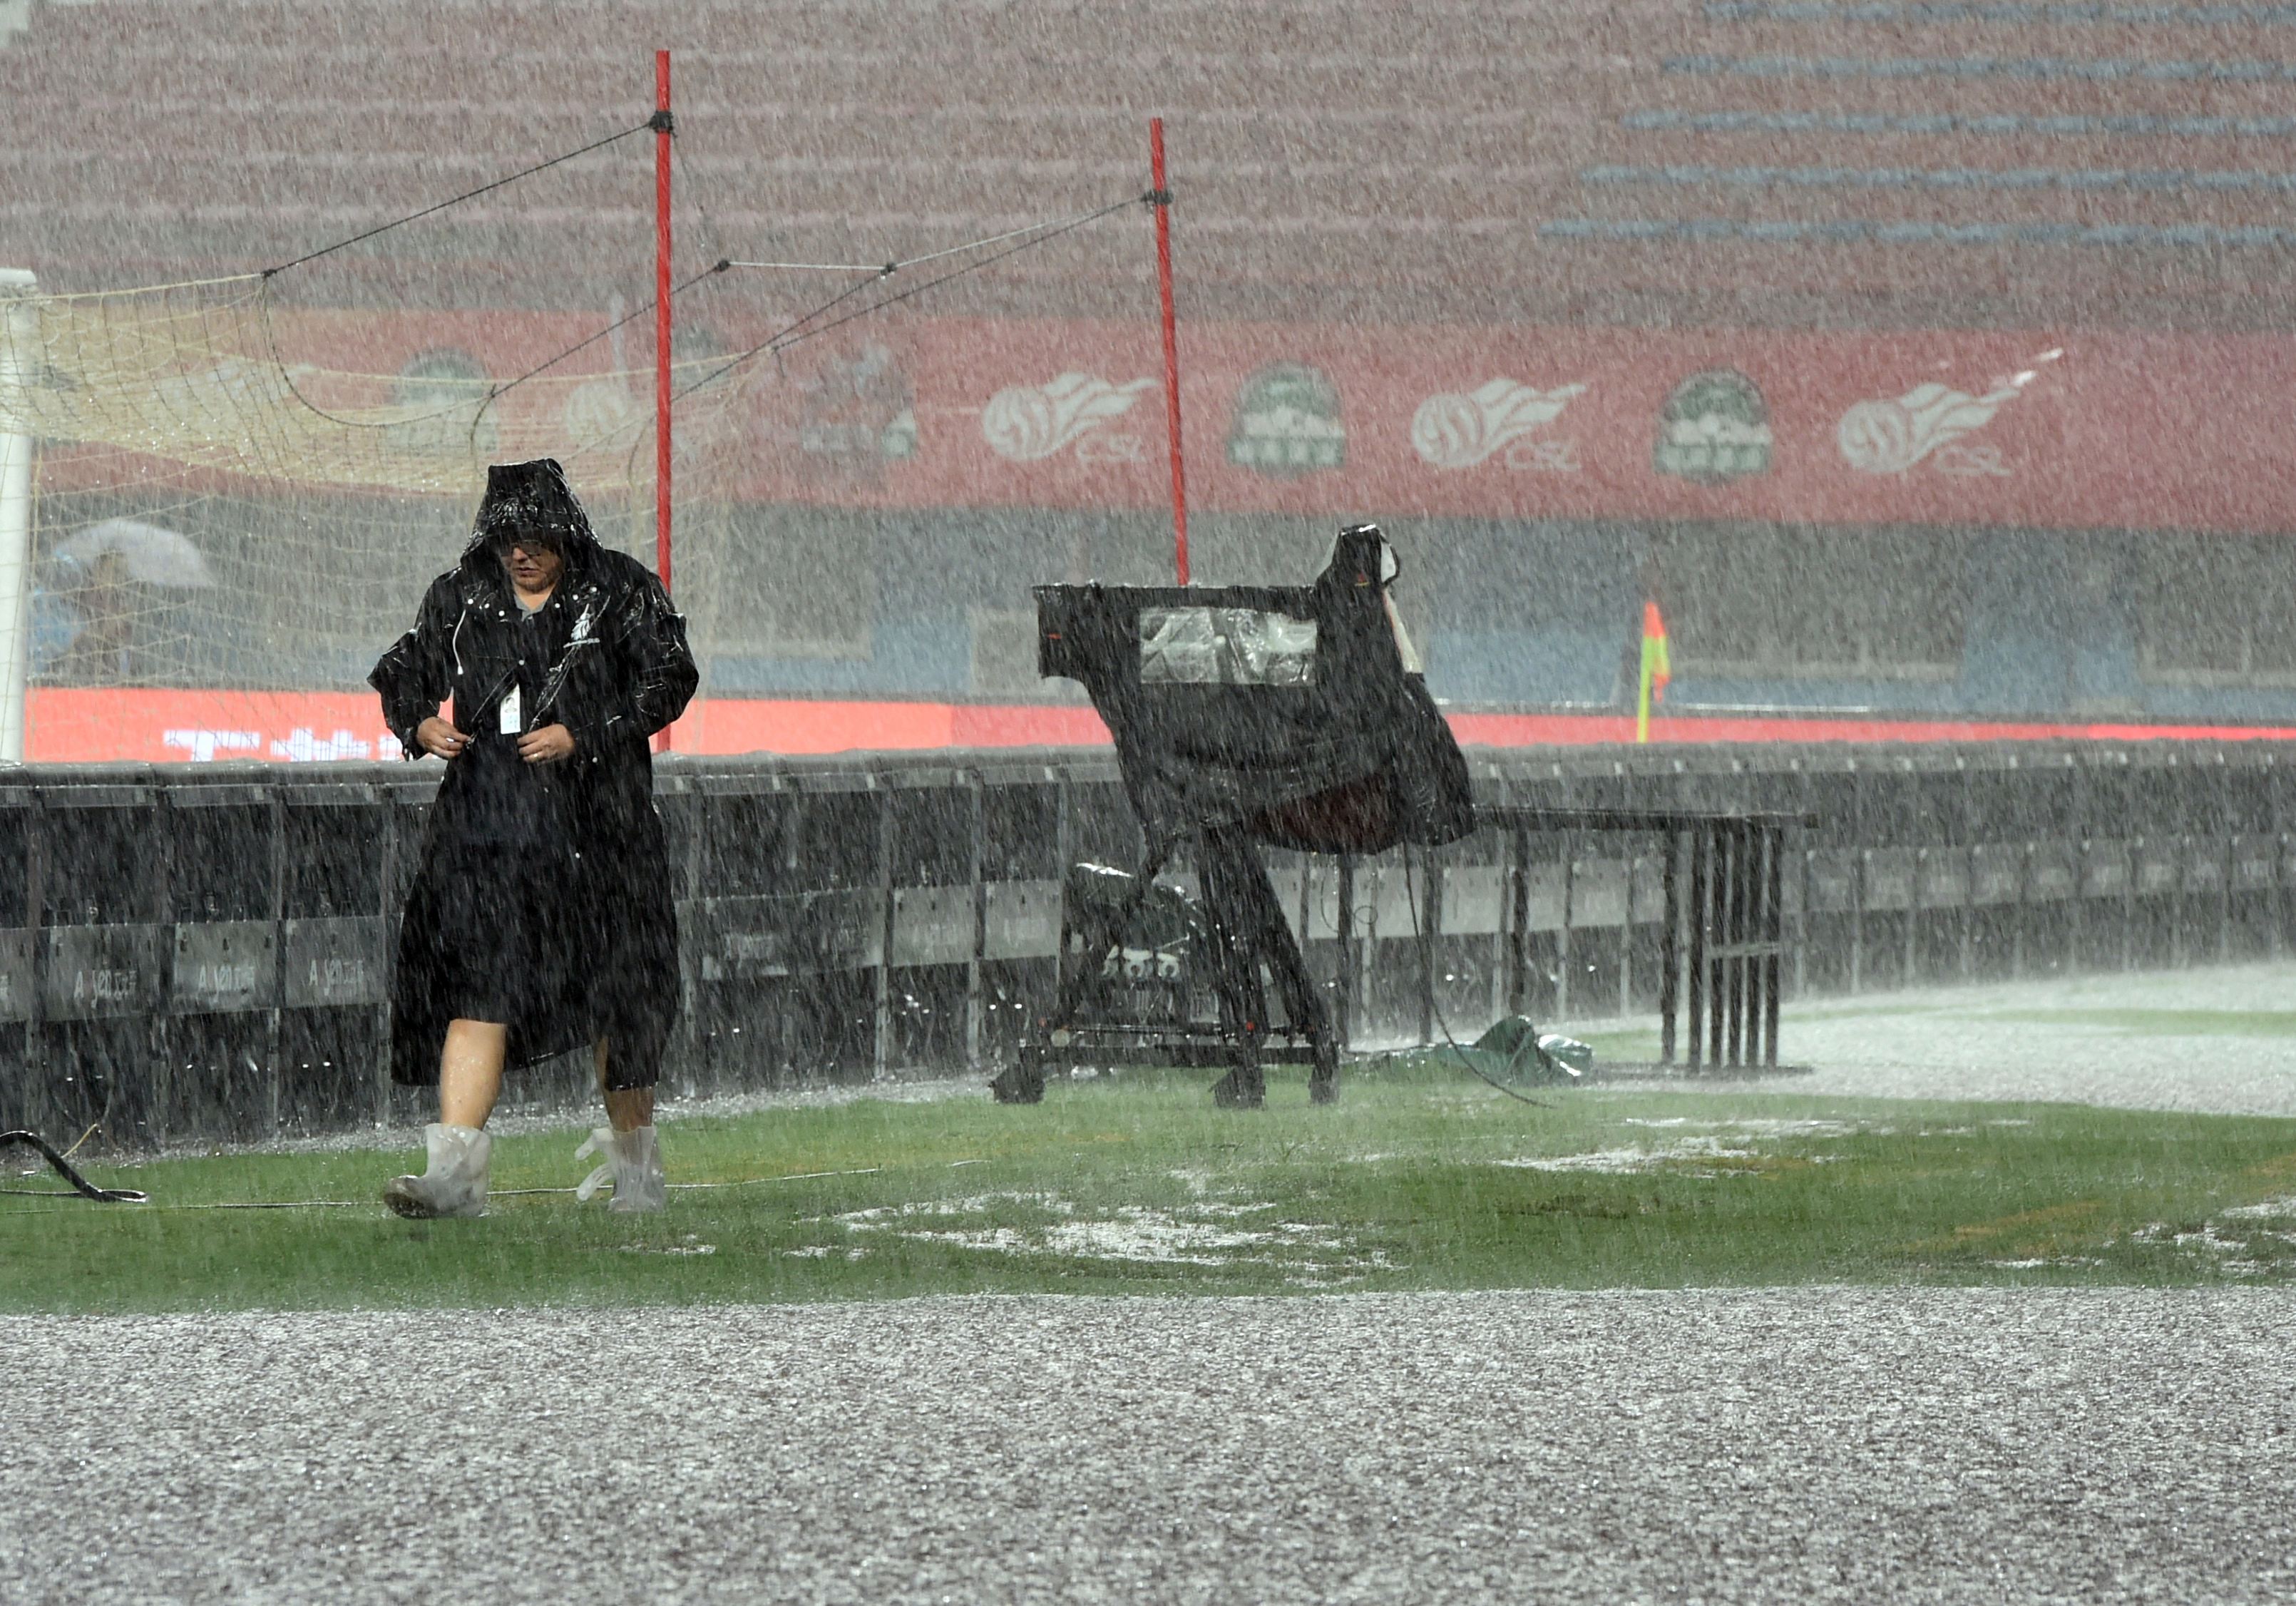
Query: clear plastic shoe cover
(633, 1164)
(455, 1180)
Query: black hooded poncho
(544, 898)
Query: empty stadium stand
(1835, 207)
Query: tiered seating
(1777, 161)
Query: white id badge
(508, 720)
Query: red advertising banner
(163, 727)
(1986, 429)
(2020, 427)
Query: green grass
(1407, 1183)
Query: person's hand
(439, 739)
(548, 745)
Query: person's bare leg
(471, 1072)
(627, 1109)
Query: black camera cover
(1293, 711)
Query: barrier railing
(204, 952)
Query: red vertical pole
(1162, 200)
(661, 331)
(662, 314)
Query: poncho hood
(529, 499)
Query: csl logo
(1028, 423)
(1453, 430)
(1931, 423)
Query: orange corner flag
(1656, 671)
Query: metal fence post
(1562, 961)
(2281, 896)
(2129, 904)
(1634, 862)
(1908, 959)
(387, 875)
(975, 1003)
(881, 1056)
(1860, 863)
(161, 913)
(1700, 859)
(1808, 856)
(37, 1071)
(274, 1022)
(1669, 946)
(1741, 909)
(1773, 933)
(2179, 954)
(1344, 1002)
(2228, 861)
(1431, 936)
(1367, 951)
(1516, 917)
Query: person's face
(533, 566)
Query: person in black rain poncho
(540, 921)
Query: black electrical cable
(772, 342)
(129, 1196)
(288, 377)
(507, 386)
(796, 332)
(1530, 1039)
(959, 273)
(691, 189)
(64, 1167)
(458, 199)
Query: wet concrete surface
(1822, 1444)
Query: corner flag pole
(1160, 199)
(662, 126)
(1658, 669)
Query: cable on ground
(130, 1196)
(81, 1187)
(1530, 1040)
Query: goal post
(208, 506)
(20, 312)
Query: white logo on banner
(1883, 436)
(204, 745)
(304, 746)
(1028, 422)
(1456, 432)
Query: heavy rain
(1296, 801)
